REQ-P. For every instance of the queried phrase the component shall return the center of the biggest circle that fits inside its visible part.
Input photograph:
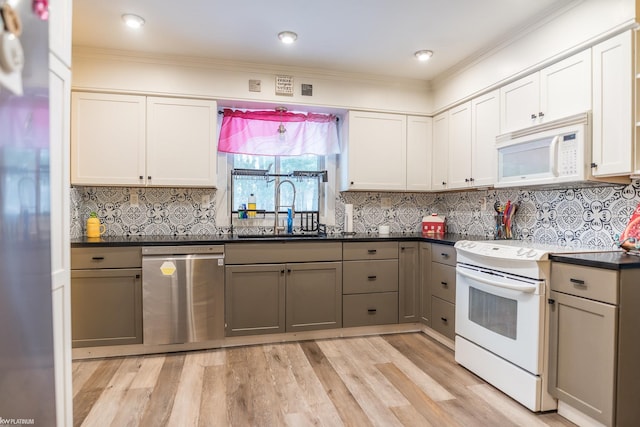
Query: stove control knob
(531, 253)
(521, 251)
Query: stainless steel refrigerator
(26, 331)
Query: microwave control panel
(568, 155)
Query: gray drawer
(282, 252)
(586, 282)
(369, 276)
(369, 250)
(102, 257)
(443, 282)
(444, 317)
(443, 253)
(370, 309)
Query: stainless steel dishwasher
(182, 294)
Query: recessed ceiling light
(132, 21)
(287, 37)
(423, 55)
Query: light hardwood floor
(391, 380)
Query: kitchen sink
(281, 236)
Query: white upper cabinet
(472, 130)
(613, 75)
(108, 135)
(440, 169)
(557, 91)
(520, 103)
(132, 140)
(459, 158)
(565, 87)
(181, 142)
(375, 153)
(419, 157)
(485, 127)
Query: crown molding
(235, 66)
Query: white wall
(192, 77)
(580, 25)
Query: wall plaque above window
(284, 85)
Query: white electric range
(502, 325)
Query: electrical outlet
(206, 200)
(385, 202)
(133, 200)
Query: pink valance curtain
(256, 132)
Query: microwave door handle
(553, 155)
(514, 287)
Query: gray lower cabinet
(425, 283)
(273, 298)
(106, 296)
(254, 299)
(314, 296)
(443, 289)
(593, 342)
(282, 287)
(370, 283)
(409, 282)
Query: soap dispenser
(289, 222)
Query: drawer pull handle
(577, 282)
(445, 284)
(371, 310)
(98, 258)
(444, 319)
(372, 251)
(444, 255)
(372, 277)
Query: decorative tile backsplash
(572, 217)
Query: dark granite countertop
(614, 260)
(447, 239)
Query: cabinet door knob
(471, 179)
(551, 301)
(594, 165)
(149, 177)
(141, 177)
(281, 271)
(533, 116)
(541, 114)
(444, 183)
(352, 182)
(466, 180)
(444, 255)
(289, 270)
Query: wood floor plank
(436, 390)
(318, 403)
(213, 405)
(428, 408)
(410, 417)
(147, 375)
(132, 407)
(364, 367)
(267, 411)
(81, 372)
(186, 404)
(240, 408)
(158, 410)
(348, 408)
(93, 388)
(107, 406)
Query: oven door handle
(521, 288)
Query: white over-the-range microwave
(550, 153)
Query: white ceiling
(372, 37)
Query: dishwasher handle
(213, 250)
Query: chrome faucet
(276, 227)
